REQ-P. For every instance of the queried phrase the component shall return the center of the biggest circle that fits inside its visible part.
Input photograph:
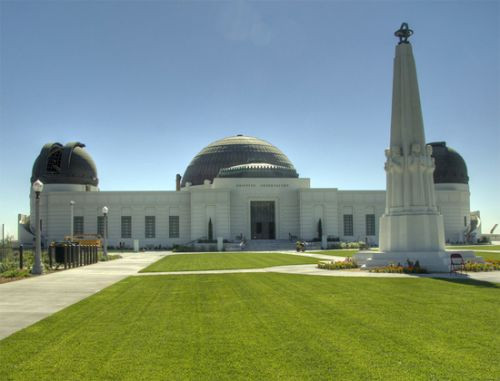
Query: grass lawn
(475, 247)
(223, 261)
(266, 327)
(336, 253)
(487, 255)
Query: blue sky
(147, 84)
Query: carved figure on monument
(394, 169)
(429, 179)
(417, 180)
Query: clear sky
(147, 84)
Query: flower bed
(489, 265)
(339, 265)
(410, 268)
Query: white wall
(227, 202)
(55, 211)
(453, 202)
(314, 202)
(210, 203)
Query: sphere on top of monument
(68, 164)
(450, 166)
(232, 156)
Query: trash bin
(59, 251)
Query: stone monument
(411, 227)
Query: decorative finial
(403, 33)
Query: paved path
(493, 276)
(25, 302)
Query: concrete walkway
(493, 276)
(25, 302)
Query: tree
(320, 229)
(210, 230)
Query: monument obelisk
(411, 221)
(411, 227)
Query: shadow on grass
(465, 280)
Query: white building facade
(242, 186)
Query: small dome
(450, 166)
(69, 164)
(219, 157)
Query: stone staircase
(270, 245)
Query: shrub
(210, 230)
(347, 245)
(182, 248)
(332, 239)
(484, 240)
(110, 257)
(15, 273)
(334, 246)
(339, 265)
(7, 266)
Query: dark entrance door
(262, 219)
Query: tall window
(77, 225)
(173, 226)
(150, 227)
(126, 226)
(54, 161)
(370, 224)
(100, 226)
(348, 225)
(465, 221)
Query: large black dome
(69, 164)
(235, 151)
(450, 166)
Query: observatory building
(237, 187)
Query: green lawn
(474, 247)
(487, 255)
(337, 252)
(224, 261)
(266, 327)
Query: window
(150, 227)
(173, 226)
(100, 226)
(348, 225)
(370, 224)
(465, 221)
(54, 161)
(126, 227)
(77, 225)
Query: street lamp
(105, 211)
(37, 265)
(71, 221)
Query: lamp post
(37, 265)
(105, 238)
(71, 219)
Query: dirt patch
(12, 279)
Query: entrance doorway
(262, 220)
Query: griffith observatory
(244, 185)
(245, 188)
